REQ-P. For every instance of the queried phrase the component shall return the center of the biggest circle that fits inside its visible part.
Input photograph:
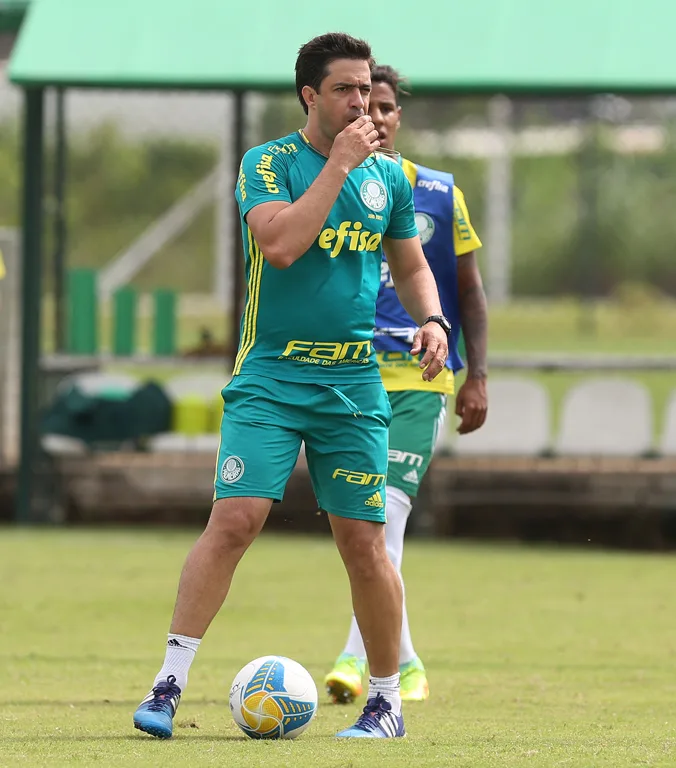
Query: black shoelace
(162, 692)
(372, 713)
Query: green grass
(637, 325)
(536, 657)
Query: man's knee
(235, 523)
(362, 546)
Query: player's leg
(347, 460)
(343, 682)
(256, 456)
(416, 425)
(416, 422)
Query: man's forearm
(474, 321)
(418, 293)
(291, 231)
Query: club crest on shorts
(232, 469)
(373, 194)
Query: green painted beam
(576, 46)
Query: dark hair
(315, 56)
(383, 73)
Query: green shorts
(345, 435)
(417, 419)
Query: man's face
(385, 113)
(343, 95)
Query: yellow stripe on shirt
(251, 311)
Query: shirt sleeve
(262, 179)
(465, 239)
(402, 218)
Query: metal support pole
(223, 216)
(31, 289)
(237, 255)
(498, 204)
(587, 234)
(59, 261)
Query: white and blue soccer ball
(273, 698)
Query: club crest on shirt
(373, 194)
(425, 226)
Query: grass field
(536, 657)
(637, 325)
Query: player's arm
(285, 230)
(471, 402)
(473, 315)
(417, 291)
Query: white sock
(388, 688)
(397, 508)
(181, 651)
(355, 644)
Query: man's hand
(354, 144)
(432, 338)
(471, 404)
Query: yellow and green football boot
(343, 683)
(413, 684)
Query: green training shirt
(313, 322)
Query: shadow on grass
(131, 703)
(177, 738)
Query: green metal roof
(476, 46)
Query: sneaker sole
(357, 736)
(153, 730)
(341, 691)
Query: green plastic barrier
(83, 320)
(124, 321)
(164, 330)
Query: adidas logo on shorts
(411, 477)
(375, 501)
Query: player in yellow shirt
(419, 408)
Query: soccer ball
(273, 698)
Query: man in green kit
(316, 208)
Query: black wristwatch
(443, 322)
